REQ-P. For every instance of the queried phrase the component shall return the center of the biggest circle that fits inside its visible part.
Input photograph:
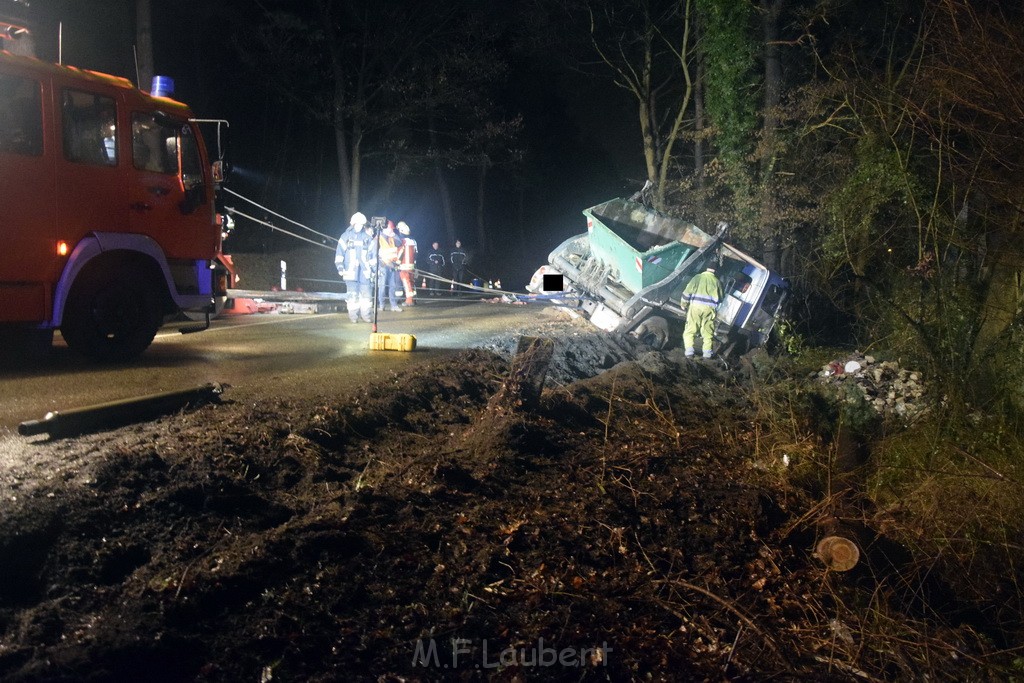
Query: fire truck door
(168, 197)
(27, 216)
(89, 170)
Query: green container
(641, 246)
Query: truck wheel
(111, 317)
(735, 346)
(653, 332)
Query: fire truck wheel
(653, 332)
(111, 317)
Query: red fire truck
(107, 213)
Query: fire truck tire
(653, 332)
(111, 317)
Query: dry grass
(947, 491)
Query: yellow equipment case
(380, 341)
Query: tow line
(463, 288)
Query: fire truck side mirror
(217, 170)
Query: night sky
(581, 133)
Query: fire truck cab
(106, 209)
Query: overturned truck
(628, 271)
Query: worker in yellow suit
(700, 298)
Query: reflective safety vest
(407, 254)
(703, 290)
(389, 250)
(352, 253)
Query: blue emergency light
(163, 86)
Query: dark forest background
(868, 150)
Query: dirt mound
(580, 351)
(615, 530)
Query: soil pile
(580, 350)
(620, 528)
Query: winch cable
(471, 292)
(271, 211)
(468, 289)
(236, 212)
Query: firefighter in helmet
(407, 263)
(353, 260)
(700, 298)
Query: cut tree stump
(839, 554)
(525, 381)
(500, 429)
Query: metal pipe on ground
(119, 413)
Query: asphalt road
(259, 356)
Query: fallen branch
(726, 604)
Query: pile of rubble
(892, 391)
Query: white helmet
(403, 227)
(357, 219)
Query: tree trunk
(353, 174)
(482, 246)
(698, 128)
(394, 179)
(269, 137)
(521, 215)
(144, 44)
(1002, 295)
(346, 173)
(283, 144)
(677, 126)
(446, 202)
(770, 12)
(318, 200)
(648, 130)
(442, 185)
(348, 150)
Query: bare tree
(144, 43)
(341, 64)
(398, 85)
(649, 49)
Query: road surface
(258, 356)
